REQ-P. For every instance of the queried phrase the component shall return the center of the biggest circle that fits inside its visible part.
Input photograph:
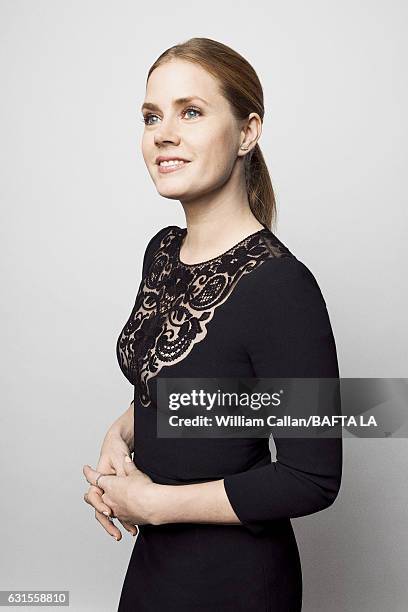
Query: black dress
(254, 311)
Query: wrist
(116, 431)
(124, 427)
(155, 502)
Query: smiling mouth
(166, 167)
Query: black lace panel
(176, 302)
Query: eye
(192, 108)
(146, 118)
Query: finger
(129, 466)
(105, 467)
(132, 529)
(90, 474)
(93, 497)
(118, 466)
(108, 525)
(127, 525)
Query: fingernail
(113, 536)
(128, 459)
(105, 513)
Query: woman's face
(202, 131)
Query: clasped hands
(126, 495)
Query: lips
(166, 168)
(162, 158)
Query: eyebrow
(177, 102)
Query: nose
(166, 133)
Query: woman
(221, 297)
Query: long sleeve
(287, 333)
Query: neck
(213, 230)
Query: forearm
(124, 426)
(205, 502)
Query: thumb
(129, 466)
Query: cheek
(215, 153)
(145, 147)
(148, 152)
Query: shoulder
(155, 240)
(283, 278)
(154, 243)
(281, 268)
(285, 321)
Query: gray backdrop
(78, 208)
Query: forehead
(178, 79)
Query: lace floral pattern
(176, 302)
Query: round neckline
(183, 232)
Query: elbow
(315, 497)
(328, 495)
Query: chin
(170, 196)
(179, 196)
(171, 189)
